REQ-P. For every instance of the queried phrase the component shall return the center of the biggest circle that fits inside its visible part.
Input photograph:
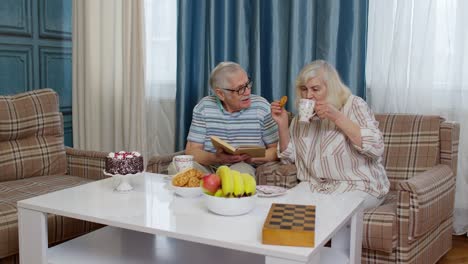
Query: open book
(253, 151)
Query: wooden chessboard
(290, 225)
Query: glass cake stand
(122, 182)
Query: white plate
(270, 191)
(187, 192)
(168, 177)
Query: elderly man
(236, 116)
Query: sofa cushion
(277, 174)
(380, 226)
(31, 136)
(59, 228)
(411, 145)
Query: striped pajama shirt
(326, 158)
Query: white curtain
(161, 61)
(108, 75)
(417, 62)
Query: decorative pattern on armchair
(34, 161)
(421, 161)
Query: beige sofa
(34, 161)
(414, 223)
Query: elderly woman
(340, 149)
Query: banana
(250, 184)
(227, 183)
(222, 169)
(238, 183)
(219, 193)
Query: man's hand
(255, 161)
(270, 155)
(224, 158)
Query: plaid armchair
(34, 161)
(414, 223)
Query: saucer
(270, 191)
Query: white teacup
(306, 110)
(182, 162)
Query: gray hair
(221, 73)
(338, 92)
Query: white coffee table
(152, 208)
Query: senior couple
(339, 150)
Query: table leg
(356, 237)
(32, 227)
(341, 240)
(273, 260)
(348, 239)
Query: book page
(253, 151)
(221, 144)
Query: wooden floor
(459, 252)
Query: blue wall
(35, 50)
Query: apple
(210, 183)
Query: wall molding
(16, 68)
(52, 24)
(55, 67)
(16, 23)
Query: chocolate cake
(124, 163)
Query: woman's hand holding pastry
(279, 114)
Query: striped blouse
(326, 158)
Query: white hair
(338, 92)
(221, 73)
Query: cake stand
(122, 182)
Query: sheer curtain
(417, 62)
(161, 61)
(108, 74)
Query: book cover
(253, 151)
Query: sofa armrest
(431, 199)
(277, 174)
(449, 139)
(159, 164)
(86, 164)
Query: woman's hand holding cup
(306, 110)
(326, 110)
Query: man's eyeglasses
(241, 89)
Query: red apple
(211, 183)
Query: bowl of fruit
(229, 192)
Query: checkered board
(290, 225)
